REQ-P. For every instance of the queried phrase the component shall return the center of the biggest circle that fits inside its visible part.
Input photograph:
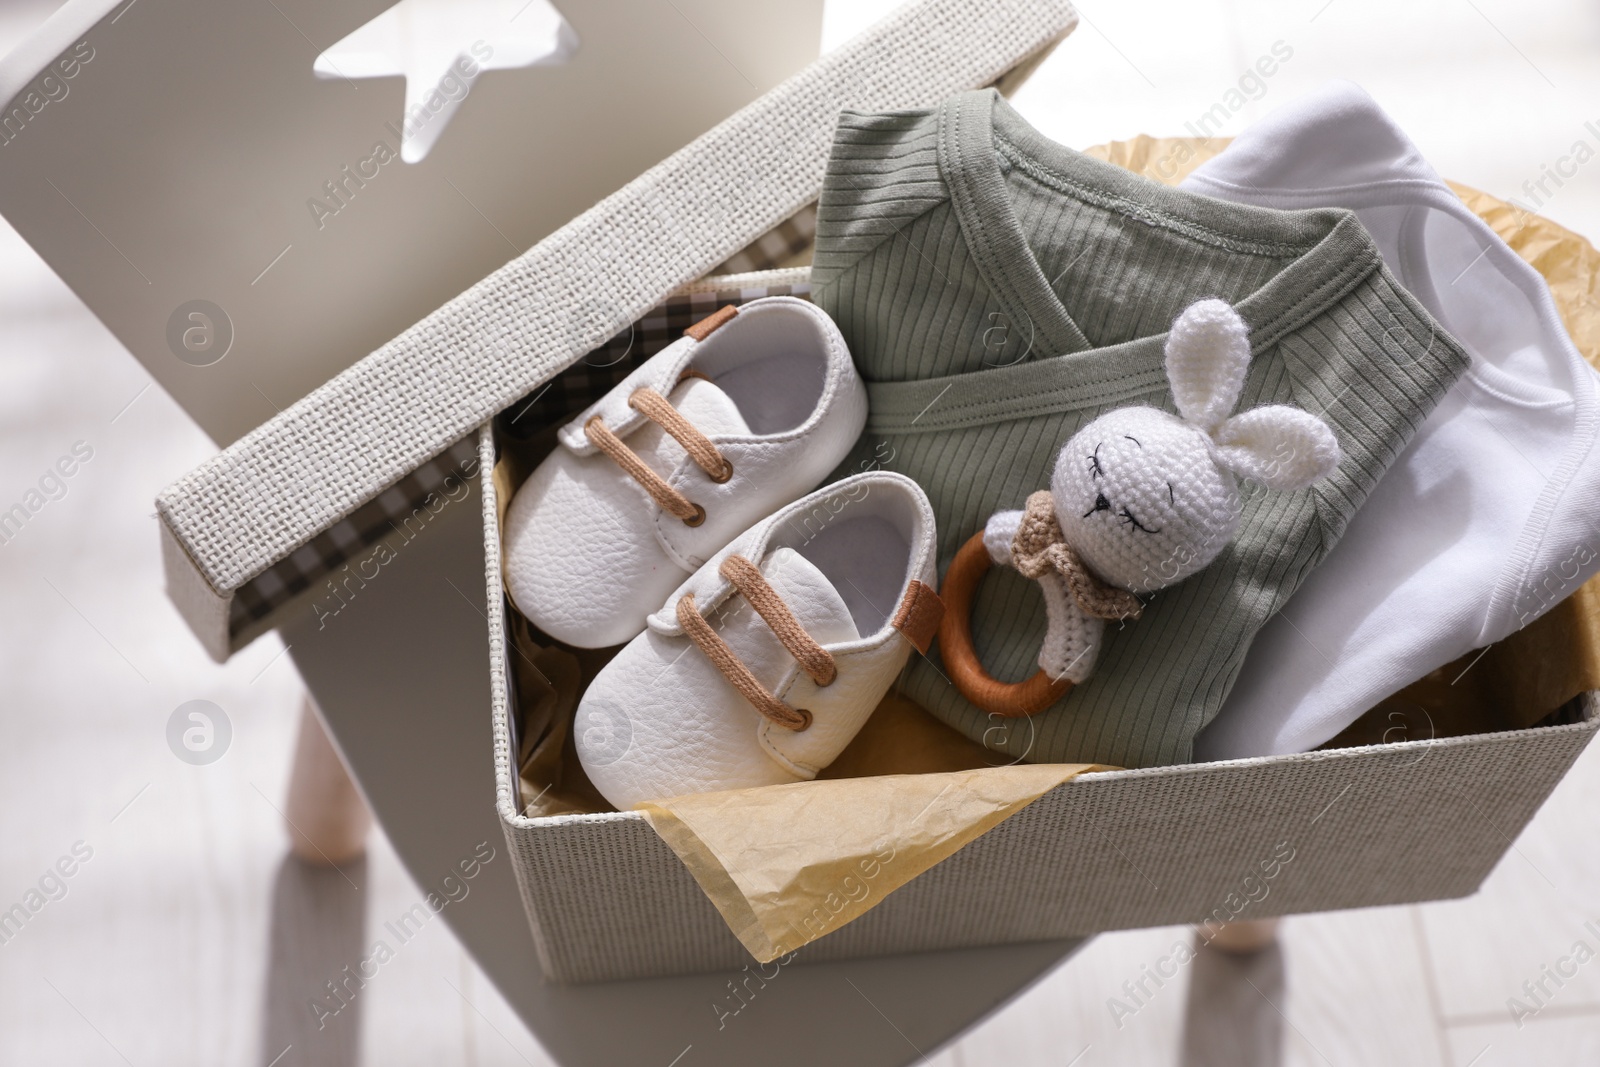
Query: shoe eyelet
(805, 725)
(723, 475)
(697, 518)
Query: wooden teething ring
(1008, 699)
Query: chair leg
(328, 819)
(1245, 937)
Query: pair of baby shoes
(786, 616)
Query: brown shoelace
(655, 407)
(815, 660)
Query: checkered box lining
(350, 538)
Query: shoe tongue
(806, 590)
(708, 408)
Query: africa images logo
(199, 732)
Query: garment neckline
(1413, 192)
(1330, 251)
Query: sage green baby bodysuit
(1000, 291)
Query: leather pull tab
(919, 615)
(708, 325)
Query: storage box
(1392, 823)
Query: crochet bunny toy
(1140, 499)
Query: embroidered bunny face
(1147, 498)
(1140, 499)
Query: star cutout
(440, 47)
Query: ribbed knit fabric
(1000, 291)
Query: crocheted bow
(1040, 547)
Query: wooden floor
(185, 936)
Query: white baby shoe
(750, 409)
(762, 667)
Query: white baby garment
(1491, 515)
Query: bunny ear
(1208, 353)
(1279, 446)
